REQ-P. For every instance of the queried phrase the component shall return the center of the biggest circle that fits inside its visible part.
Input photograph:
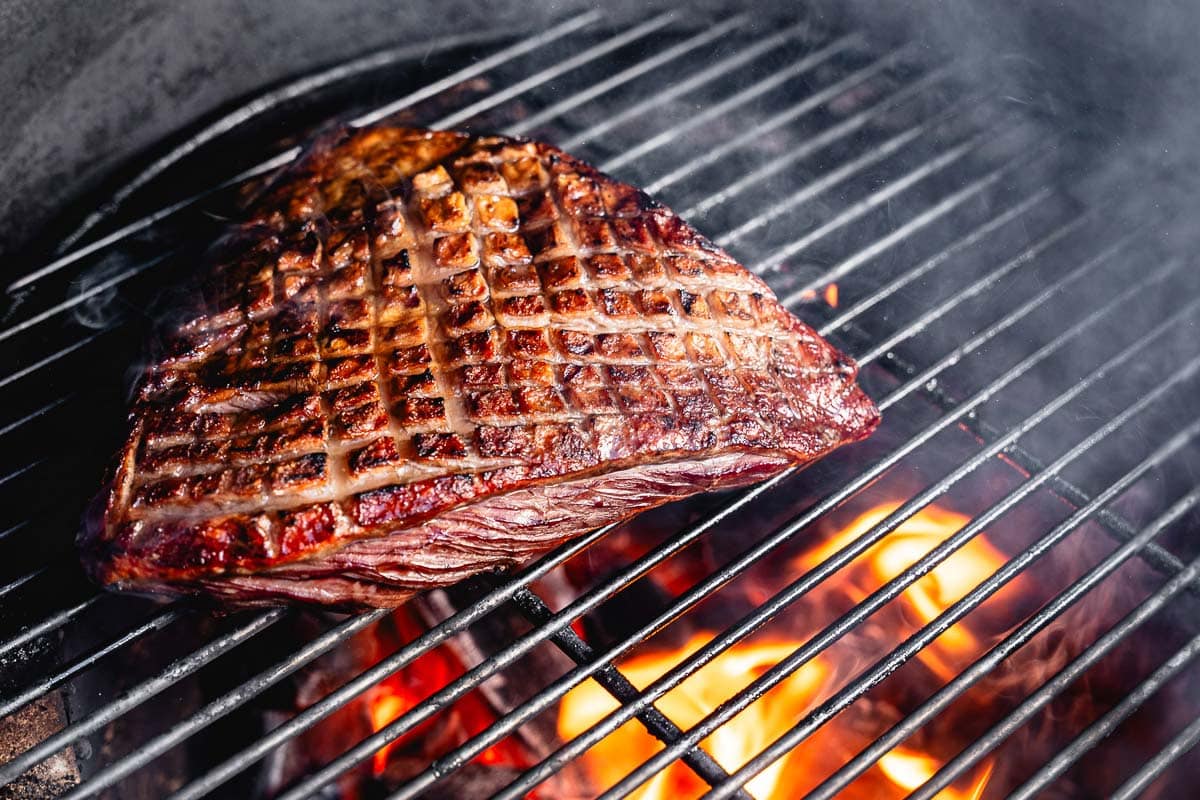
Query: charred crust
(379, 453)
(310, 331)
(439, 445)
(503, 442)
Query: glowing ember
(436, 736)
(748, 733)
(831, 295)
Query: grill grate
(856, 167)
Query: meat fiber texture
(427, 354)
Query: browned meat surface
(426, 355)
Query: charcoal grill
(1009, 300)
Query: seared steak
(427, 354)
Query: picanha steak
(427, 354)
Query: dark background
(88, 87)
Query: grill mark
(406, 470)
(427, 280)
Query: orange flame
(733, 744)
(928, 597)
(909, 770)
(385, 705)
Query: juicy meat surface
(427, 354)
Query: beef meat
(427, 354)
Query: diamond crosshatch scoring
(415, 320)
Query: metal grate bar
(699, 592)
(534, 609)
(88, 660)
(561, 68)
(1061, 680)
(15, 424)
(1130, 703)
(580, 651)
(74, 300)
(546, 698)
(657, 723)
(797, 68)
(245, 114)
(100, 717)
(1154, 768)
(659, 726)
(500, 57)
(34, 415)
(885, 666)
(862, 207)
(875, 154)
(13, 585)
(796, 111)
(992, 278)
(1014, 641)
(600, 88)
(452, 691)
(9, 531)
(448, 121)
(34, 367)
(179, 732)
(865, 759)
(50, 623)
(365, 680)
(804, 149)
(826, 568)
(930, 264)
(21, 471)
